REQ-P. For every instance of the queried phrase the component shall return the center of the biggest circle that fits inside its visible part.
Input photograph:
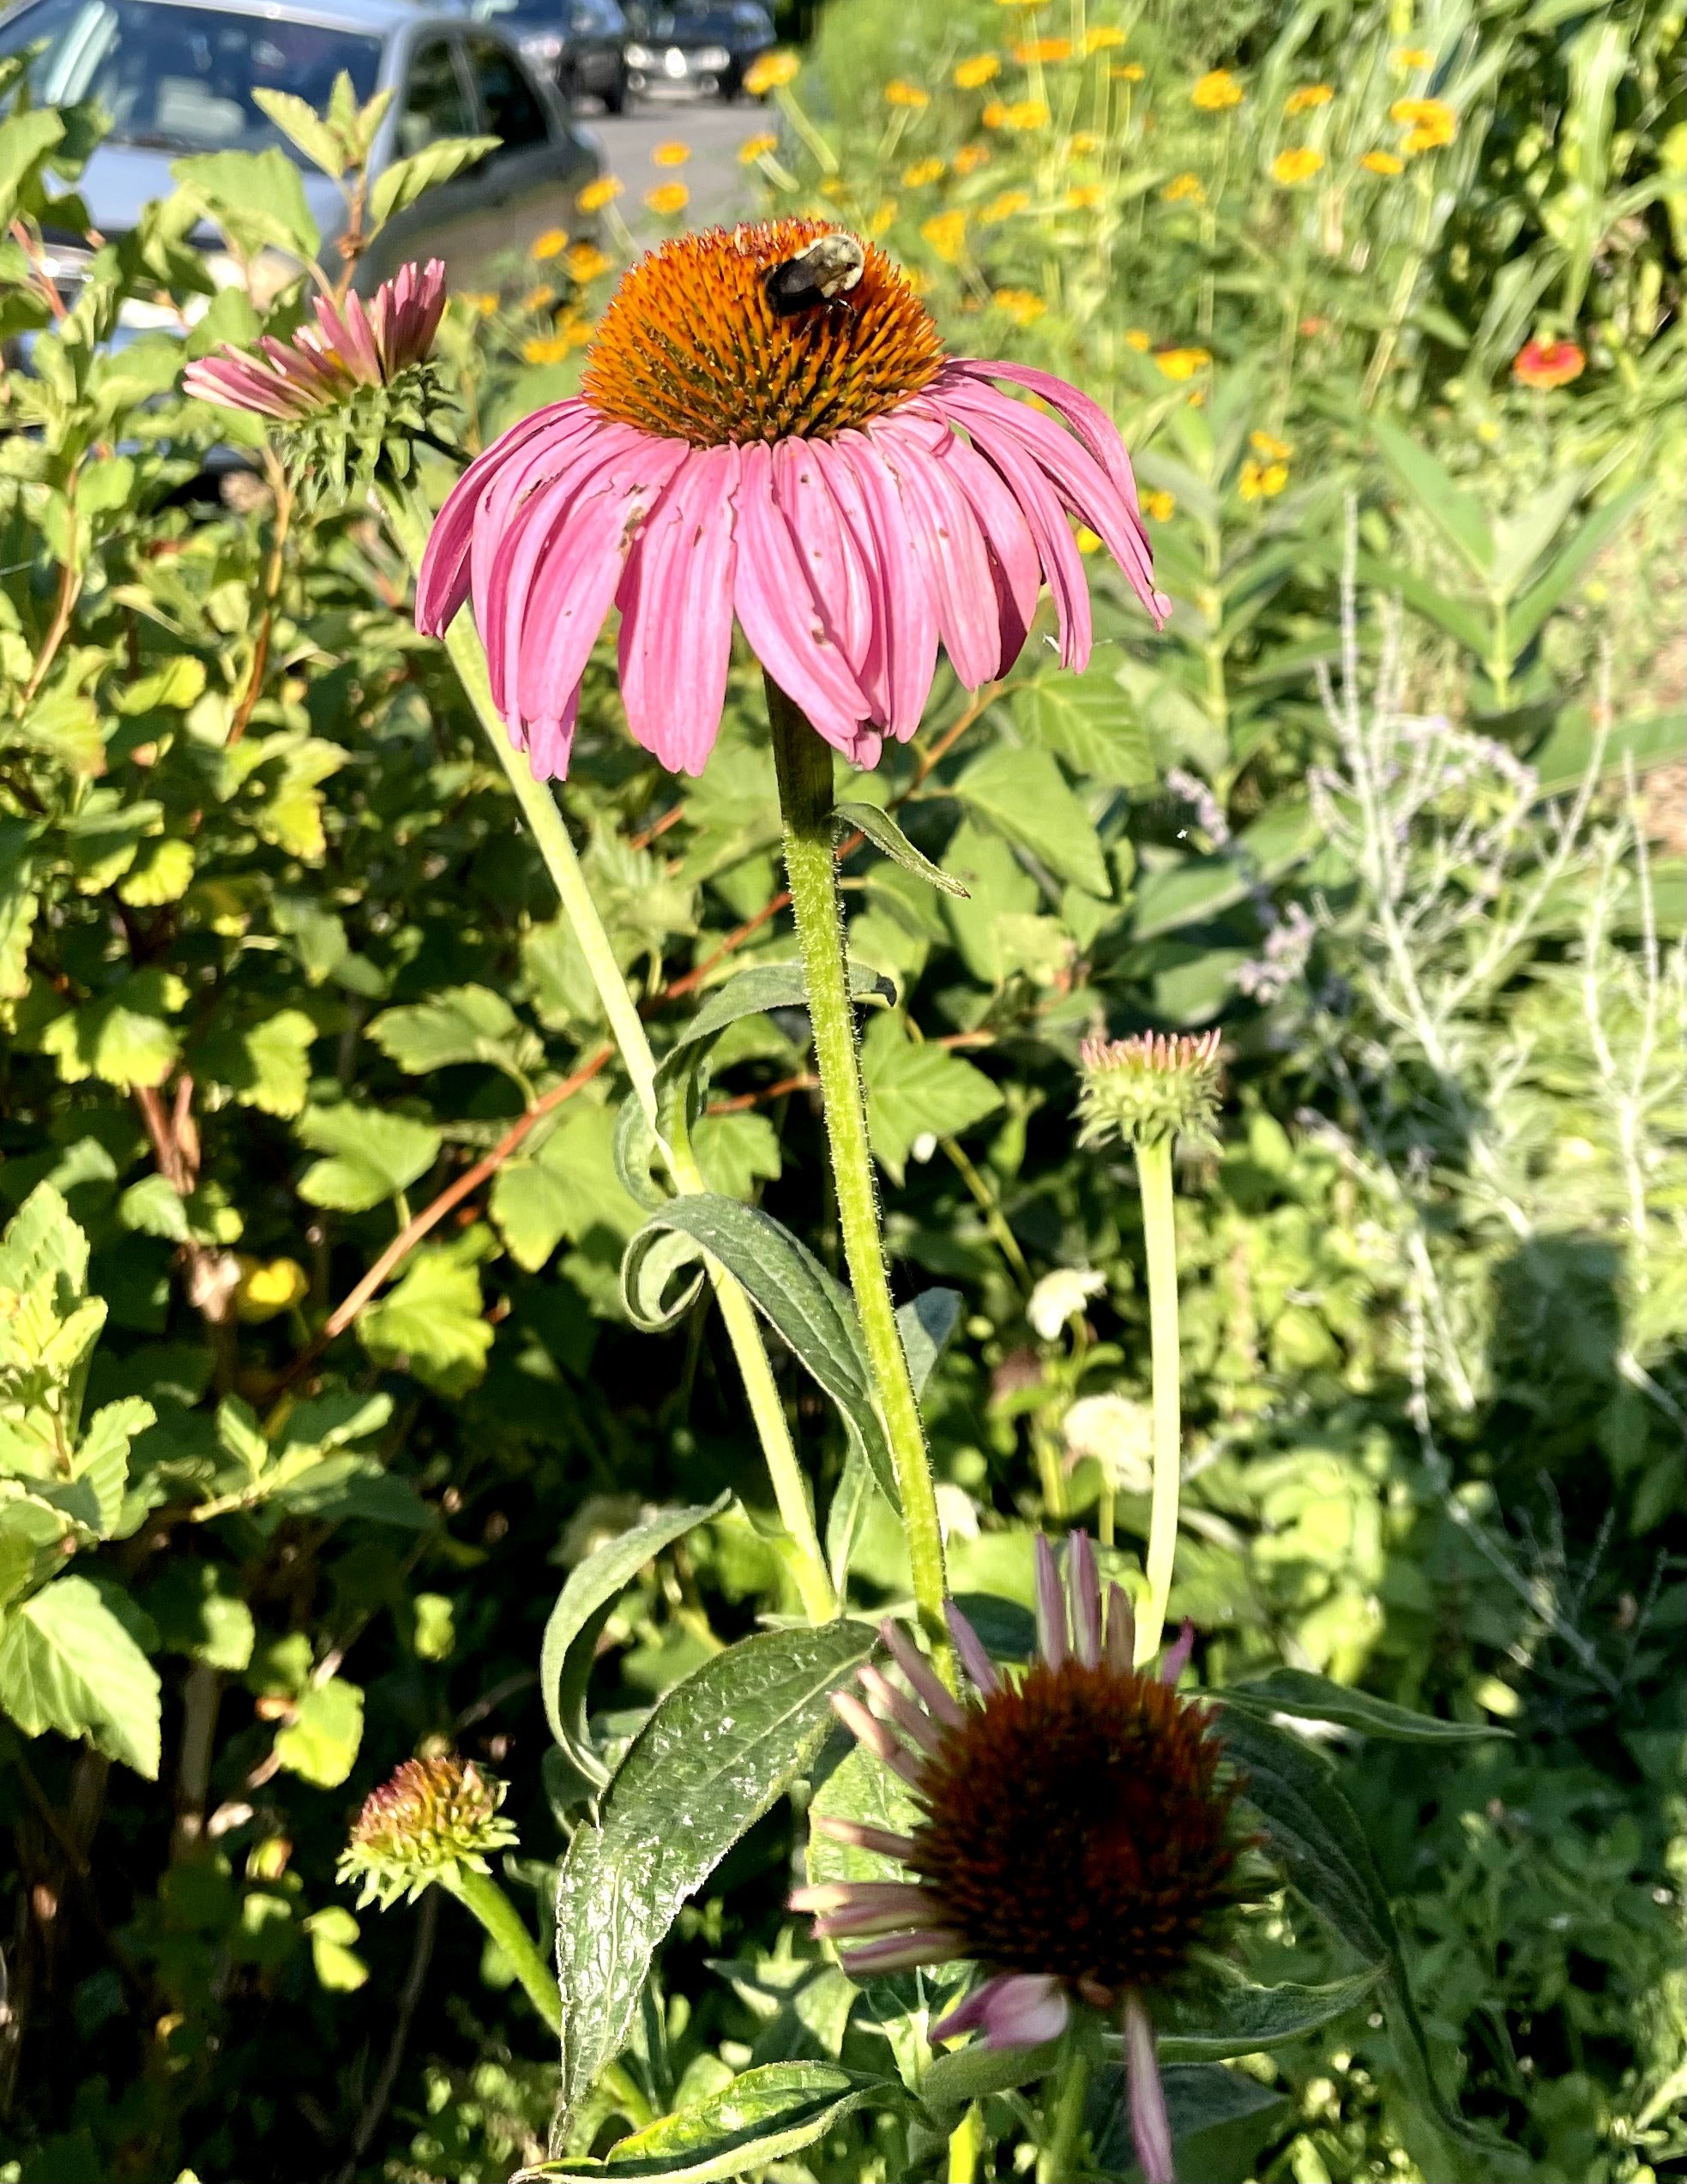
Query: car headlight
(641, 57)
(271, 272)
(546, 45)
(710, 56)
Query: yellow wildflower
(1083, 143)
(1087, 541)
(898, 94)
(922, 173)
(1268, 448)
(1428, 123)
(668, 198)
(1309, 96)
(756, 147)
(1413, 57)
(1182, 363)
(1298, 164)
(970, 158)
(1027, 113)
(585, 261)
(264, 1289)
(973, 75)
(880, 219)
(1085, 197)
(1129, 72)
(550, 244)
(481, 301)
(1022, 305)
(770, 73)
(994, 114)
(1135, 338)
(1217, 90)
(1184, 190)
(1043, 49)
(835, 187)
(1160, 507)
(674, 154)
(596, 194)
(1382, 163)
(1005, 206)
(539, 298)
(1263, 481)
(946, 233)
(1103, 38)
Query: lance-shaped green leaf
(763, 2116)
(400, 184)
(1456, 514)
(815, 1314)
(1315, 1835)
(1314, 1697)
(1551, 590)
(1242, 2019)
(955, 2081)
(711, 1760)
(583, 1606)
(883, 832)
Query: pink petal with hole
(675, 603)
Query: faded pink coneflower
(350, 346)
(1076, 1838)
(828, 476)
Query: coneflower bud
(434, 1819)
(1150, 1087)
(348, 348)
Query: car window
(508, 106)
(435, 103)
(182, 79)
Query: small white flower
(923, 1146)
(957, 1512)
(1119, 1433)
(1061, 1297)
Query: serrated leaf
(19, 903)
(400, 184)
(372, 1156)
(1090, 722)
(883, 832)
(299, 123)
(101, 1462)
(764, 2116)
(153, 1207)
(917, 1089)
(124, 1037)
(162, 872)
(258, 197)
(1025, 793)
(711, 1760)
(1314, 1698)
(461, 1024)
(266, 1066)
(431, 1323)
(319, 1744)
(67, 1664)
(570, 1187)
(814, 1313)
(583, 1606)
(736, 1153)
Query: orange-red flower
(1548, 363)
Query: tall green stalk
(1154, 1168)
(480, 1893)
(411, 520)
(803, 761)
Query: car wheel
(618, 95)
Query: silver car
(178, 76)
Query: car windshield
(182, 79)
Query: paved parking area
(720, 188)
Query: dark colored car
(701, 45)
(580, 46)
(178, 76)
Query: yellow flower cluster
(1135, 338)
(756, 147)
(771, 73)
(946, 233)
(596, 194)
(922, 174)
(1021, 305)
(898, 94)
(668, 199)
(1184, 190)
(1309, 96)
(1182, 363)
(539, 298)
(1010, 202)
(1269, 448)
(1262, 481)
(1413, 57)
(1159, 507)
(585, 263)
(1085, 196)
(1382, 163)
(973, 75)
(1129, 72)
(550, 244)
(552, 348)
(1043, 49)
(1428, 123)
(970, 158)
(1103, 38)
(1298, 164)
(1216, 91)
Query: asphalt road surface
(720, 188)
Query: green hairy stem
(1154, 1168)
(480, 1893)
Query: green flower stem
(965, 2145)
(411, 521)
(803, 761)
(1154, 1169)
(480, 1893)
(1058, 2161)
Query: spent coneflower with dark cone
(805, 459)
(1151, 1086)
(1076, 1838)
(434, 1821)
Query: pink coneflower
(825, 474)
(348, 347)
(1076, 1838)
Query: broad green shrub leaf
(124, 1037)
(1220, 2120)
(67, 1662)
(257, 197)
(372, 1156)
(583, 1606)
(153, 1207)
(814, 1313)
(24, 139)
(198, 1610)
(712, 1759)
(266, 1066)
(1089, 721)
(336, 1963)
(462, 1023)
(1314, 1697)
(1314, 1834)
(568, 1186)
(100, 1465)
(1242, 2020)
(1202, 887)
(998, 889)
(431, 1324)
(1024, 792)
(18, 904)
(321, 1742)
(764, 2116)
(736, 1153)
(162, 872)
(916, 1089)
(959, 2078)
(301, 124)
(883, 832)
(399, 185)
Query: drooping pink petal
(931, 1945)
(676, 602)
(1012, 2010)
(1084, 1587)
(1175, 1659)
(1050, 1605)
(908, 622)
(1013, 551)
(784, 624)
(552, 456)
(1150, 2126)
(862, 1916)
(548, 741)
(921, 1675)
(876, 1737)
(912, 1719)
(861, 1835)
(970, 1646)
(870, 666)
(1087, 418)
(951, 547)
(825, 545)
(443, 583)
